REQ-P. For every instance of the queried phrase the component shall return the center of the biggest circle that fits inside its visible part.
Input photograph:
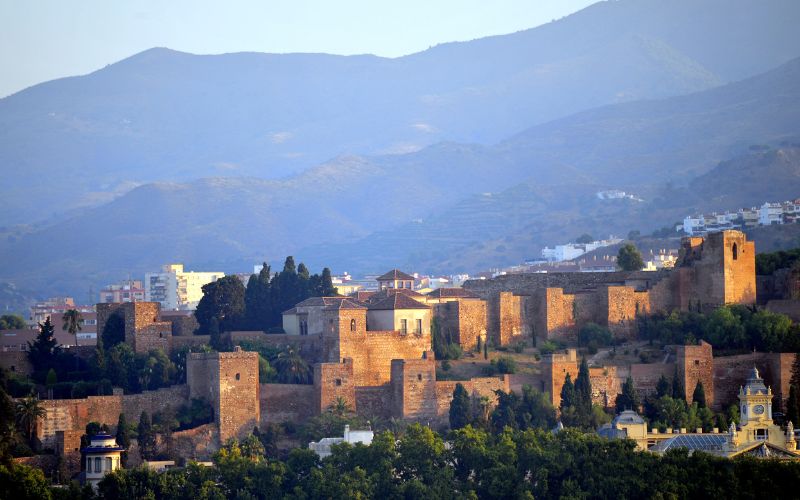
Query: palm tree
(29, 411)
(72, 323)
(292, 368)
(340, 407)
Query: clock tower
(755, 401)
(755, 411)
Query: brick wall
(143, 329)
(16, 362)
(731, 372)
(414, 388)
(645, 376)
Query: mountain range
(469, 154)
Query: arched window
(238, 376)
(352, 325)
(735, 251)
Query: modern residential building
(175, 288)
(55, 307)
(787, 212)
(124, 291)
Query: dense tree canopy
(223, 301)
(12, 322)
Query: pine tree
(459, 408)
(663, 387)
(628, 399)
(699, 395)
(146, 437)
(123, 437)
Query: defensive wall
(711, 271)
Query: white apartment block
(574, 250)
(177, 289)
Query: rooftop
(395, 274)
(396, 301)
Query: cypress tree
(302, 271)
(583, 390)
(628, 399)
(328, 289)
(43, 351)
(677, 386)
(146, 438)
(663, 387)
(793, 407)
(699, 395)
(567, 394)
(459, 408)
(123, 437)
(485, 350)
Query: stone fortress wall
(392, 374)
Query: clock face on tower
(758, 410)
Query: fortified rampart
(714, 271)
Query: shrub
(519, 347)
(506, 365)
(594, 333)
(548, 347)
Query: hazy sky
(45, 39)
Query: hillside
(167, 116)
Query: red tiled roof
(396, 301)
(395, 274)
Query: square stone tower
(229, 381)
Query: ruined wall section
(605, 385)
(622, 305)
(512, 326)
(645, 376)
(731, 372)
(143, 329)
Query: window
(696, 362)
(352, 325)
(419, 377)
(238, 376)
(762, 434)
(108, 464)
(89, 464)
(97, 464)
(404, 326)
(338, 382)
(419, 327)
(735, 251)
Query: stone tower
(229, 381)
(723, 266)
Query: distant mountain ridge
(167, 116)
(429, 210)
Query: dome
(627, 417)
(755, 384)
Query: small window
(419, 327)
(108, 464)
(352, 325)
(404, 326)
(419, 377)
(89, 464)
(338, 382)
(237, 376)
(696, 362)
(735, 250)
(97, 465)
